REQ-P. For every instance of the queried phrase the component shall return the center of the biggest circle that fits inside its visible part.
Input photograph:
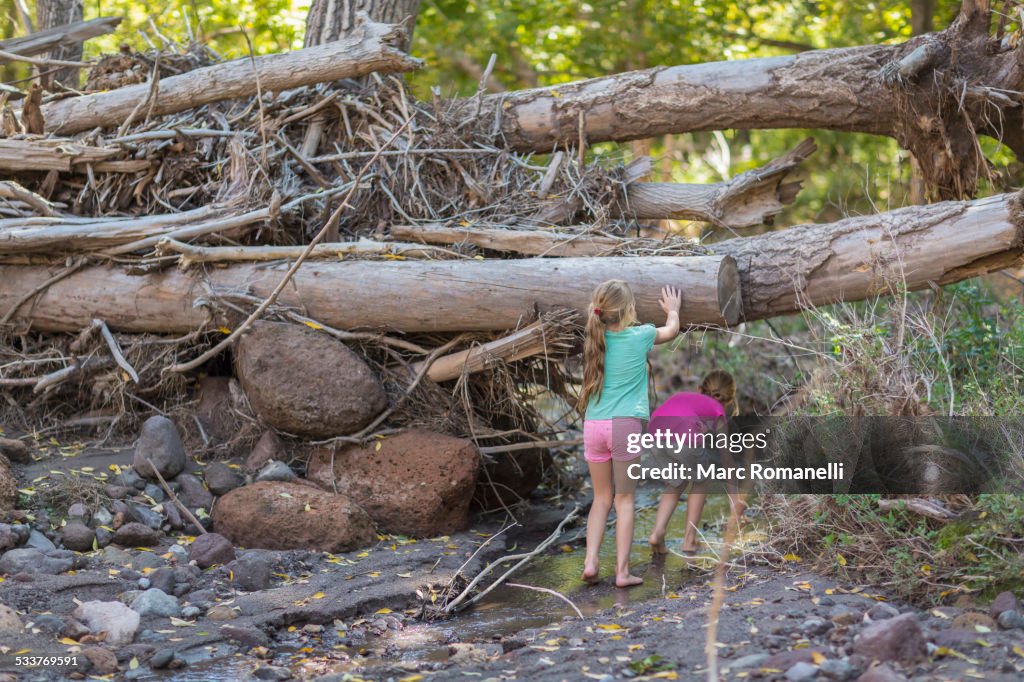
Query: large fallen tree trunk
(812, 264)
(411, 296)
(365, 50)
(932, 93)
(68, 34)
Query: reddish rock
(897, 639)
(272, 515)
(211, 548)
(305, 382)
(104, 661)
(136, 535)
(1004, 601)
(268, 447)
(417, 483)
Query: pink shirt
(687, 412)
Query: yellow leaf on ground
(319, 595)
(384, 610)
(792, 557)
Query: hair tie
(597, 311)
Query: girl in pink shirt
(703, 412)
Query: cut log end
(730, 294)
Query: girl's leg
(601, 479)
(624, 509)
(694, 508)
(666, 507)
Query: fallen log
(20, 156)
(411, 296)
(536, 242)
(191, 254)
(369, 48)
(68, 34)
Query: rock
(159, 442)
(173, 516)
(969, 619)
(102, 517)
(221, 612)
(78, 536)
(10, 623)
(221, 479)
(268, 447)
(815, 626)
(897, 639)
(31, 560)
(80, 512)
(48, 622)
(840, 669)
(15, 450)
(117, 492)
(214, 410)
(272, 515)
(104, 661)
(210, 549)
(1004, 601)
(881, 673)
(154, 602)
(272, 672)
(245, 635)
(117, 620)
(163, 579)
(276, 471)
(273, 362)
(136, 535)
(37, 540)
(1010, 620)
(155, 492)
(147, 516)
(509, 477)
(144, 583)
(751, 661)
(418, 483)
(784, 660)
(8, 537)
(882, 611)
(179, 552)
(8, 486)
(193, 493)
(801, 672)
(161, 659)
(844, 615)
(74, 628)
(103, 537)
(251, 573)
(129, 478)
(191, 612)
(956, 638)
(22, 532)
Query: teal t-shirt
(624, 393)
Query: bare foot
(590, 574)
(627, 580)
(692, 549)
(657, 544)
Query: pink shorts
(602, 442)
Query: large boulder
(413, 483)
(305, 382)
(30, 560)
(277, 515)
(160, 443)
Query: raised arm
(670, 301)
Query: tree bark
(436, 296)
(329, 20)
(933, 94)
(70, 34)
(54, 13)
(366, 49)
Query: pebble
(144, 583)
(800, 672)
(839, 669)
(1010, 620)
(190, 612)
(272, 672)
(815, 626)
(161, 659)
(37, 540)
(844, 615)
(749, 661)
(882, 611)
(155, 492)
(275, 471)
(79, 511)
(179, 552)
(102, 517)
(157, 603)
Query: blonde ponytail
(612, 304)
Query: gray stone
(117, 620)
(136, 535)
(10, 623)
(37, 540)
(147, 516)
(31, 560)
(160, 444)
(246, 635)
(191, 612)
(116, 556)
(79, 511)
(78, 536)
(840, 669)
(272, 672)
(8, 538)
(882, 611)
(103, 537)
(143, 560)
(844, 615)
(173, 516)
(193, 493)
(881, 673)
(1010, 620)
(48, 622)
(801, 672)
(130, 478)
(117, 492)
(1004, 601)
(102, 517)
(161, 659)
(74, 628)
(144, 583)
(956, 638)
(22, 531)
(155, 492)
(210, 549)
(221, 479)
(251, 573)
(276, 471)
(163, 579)
(815, 626)
(268, 447)
(896, 639)
(154, 602)
(179, 552)
(749, 661)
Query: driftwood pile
(148, 228)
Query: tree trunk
(435, 296)
(371, 48)
(53, 13)
(932, 94)
(329, 20)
